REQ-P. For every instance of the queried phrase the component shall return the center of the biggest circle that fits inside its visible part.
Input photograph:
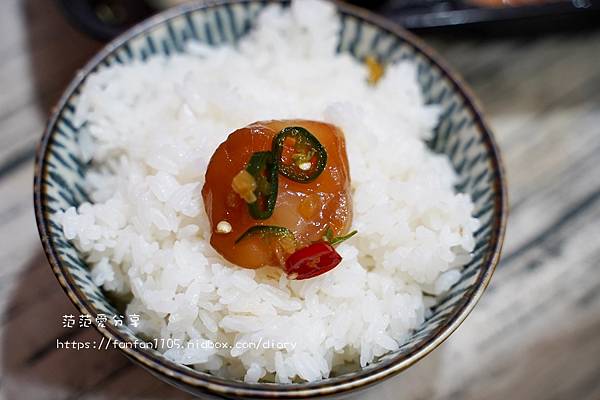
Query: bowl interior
(460, 134)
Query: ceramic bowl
(462, 134)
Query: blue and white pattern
(460, 135)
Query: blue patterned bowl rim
(209, 384)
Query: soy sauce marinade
(277, 193)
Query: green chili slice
(263, 168)
(267, 231)
(308, 156)
(333, 240)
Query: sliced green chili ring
(267, 231)
(263, 169)
(307, 149)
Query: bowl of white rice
(120, 168)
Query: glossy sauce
(306, 209)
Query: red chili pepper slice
(312, 261)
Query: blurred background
(535, 334)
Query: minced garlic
(305, 166)
(223, 227)
(244, 184)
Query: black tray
(104, 19)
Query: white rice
(151, 130)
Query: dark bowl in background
(105, 19)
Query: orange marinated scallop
(304, 209)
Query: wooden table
(534, 335)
